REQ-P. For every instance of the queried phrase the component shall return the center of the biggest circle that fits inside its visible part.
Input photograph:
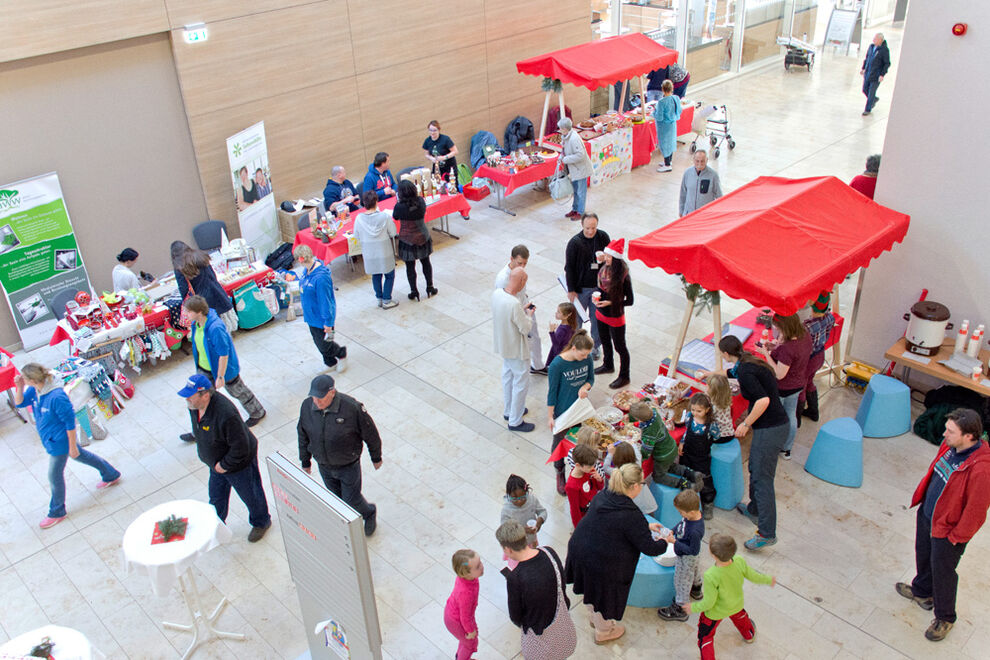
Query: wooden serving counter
(931, 366)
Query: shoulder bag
(561, 188)
(559, 639)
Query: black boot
(561, 481)
(799, 412)
(811, 411)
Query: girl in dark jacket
(605, 548)
(615, 294)
(415, 241)
(194, 275)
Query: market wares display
(50, 642)
(169, 563)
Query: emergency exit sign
(193, 34)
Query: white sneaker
(664, 168)
(341, 365)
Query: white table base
(190, 594)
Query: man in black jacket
(581, 266)
(226, 445)
(332, 430)
(874, 68)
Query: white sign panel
(252, 185)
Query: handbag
(560, 186)
(184, 320)
(559, 639)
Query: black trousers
(427, 273)
(614, 337)
(330, 350)
(935, 561)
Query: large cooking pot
(927, 324)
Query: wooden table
(931, 366)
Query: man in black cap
(332, 428)
(230, 450)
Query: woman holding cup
(614, 294)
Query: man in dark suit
(874, 69)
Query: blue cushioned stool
(727, 474)
(837, 455)
(885, 410)
(666, 512)
(653, 584)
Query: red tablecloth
(327, 252)
(748, 320)
(521, 178)
(7, 377)
(687, 117)
(644, 138)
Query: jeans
(935, 561)
(56, 477)
(385, 293)
(707, 628)
(344, 481)
(584, 295)
(330, 350)
(237, 389)
(687, 575)
(580, 194)
(614, 336)
(515, 385)
(790, 407)
(411, 274)
(247, 483)
(870, 90)
(763, 455)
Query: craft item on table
(170, 529)
(44, 649)
(622, 400)
(962, 363)
(124, 384)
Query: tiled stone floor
(427, 374)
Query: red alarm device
(959, 29)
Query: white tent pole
(543, 121)
(681, 334)
(717, 318)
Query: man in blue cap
(227, 446)
(333, 429)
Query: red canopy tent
(775, 242)
(598, 63)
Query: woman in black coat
(605, 548)
(194, 275)
(414, 238)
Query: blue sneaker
(743, 509)
(759, 542)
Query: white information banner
(251, 178)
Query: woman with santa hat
(614, 294)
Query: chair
(727, 474)
(653, 584)
(207, 235)
(303, 221)
(885, 410)
(57, 302)
(837, 455)
(666, 512)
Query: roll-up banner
(252, 182)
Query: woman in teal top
(570, 377)
(666, 114)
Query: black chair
(207, 234)
(57, 302)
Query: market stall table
(69, 644)
(644, 141)
(7, 374)
(168, 564)
(931, 367)
(338, 245)
(505, 182)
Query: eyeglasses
(521, 498)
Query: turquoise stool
(885, 410)
(727, 473)
(837, 455)
(653, 584)
(666, 512)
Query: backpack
(281, 257)
(464, 174)
(519, 131)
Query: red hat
(617, 248)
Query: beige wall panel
(407, 150)
(36, 27)
(386, 33)
(504, 82)
(304, 141)
(405, 97)
(233, 67)
(186, 12)
(507, 18)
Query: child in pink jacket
(458, 615)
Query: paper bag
(579, 411)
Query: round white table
(69, 644)
(168, 564)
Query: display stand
(190, 595)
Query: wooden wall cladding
(507, 18)
(395, 31)
(299, 47)
(186, 12)
(37, 27)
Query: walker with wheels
(715, 128)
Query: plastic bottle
(977, 373)
(961, 338)
(975, 341)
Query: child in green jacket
(658, 444)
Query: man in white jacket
(518, 258)
(510, 325)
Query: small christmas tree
(172, 527)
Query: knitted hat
(616, 248)
(821, 305)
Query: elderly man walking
(953, 496)
(874, 68)
(699, 186)
(511, 325)
(578, 163)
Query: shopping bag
(560, 186)
(579, 411)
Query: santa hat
(821, 304)
(616, 248)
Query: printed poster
(40, 263)
(611, 155)
(252, 183)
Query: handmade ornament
(170, 529)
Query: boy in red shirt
(583, 483)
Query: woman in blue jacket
(56, 422)
(666, 114)
(320, 307)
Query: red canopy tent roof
(775, 241)
(599, 63)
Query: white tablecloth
(165, 562)
(69, 644)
